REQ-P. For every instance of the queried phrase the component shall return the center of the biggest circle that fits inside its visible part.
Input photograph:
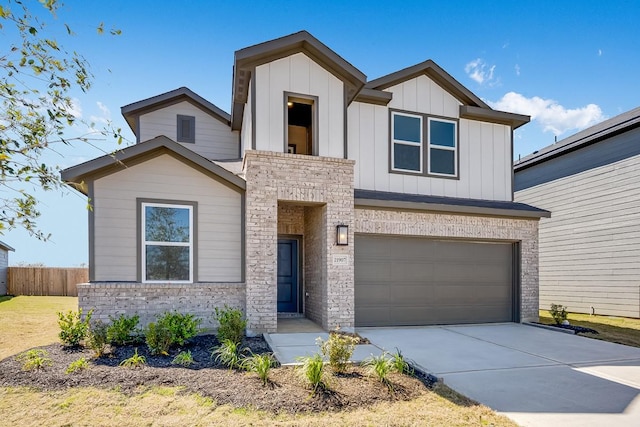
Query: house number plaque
(340, 259)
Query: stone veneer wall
(296, 179)
(149, 299)
(415, 223)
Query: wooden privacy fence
(45, 280)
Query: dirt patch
(286, 391)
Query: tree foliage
(37, 80)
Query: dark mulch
(575, 329)
(286, 391)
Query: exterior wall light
(342, 235)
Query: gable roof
(603, 130)
(6, 247)
(131, 112)
(472, 108)
(109, 164)
(250, 57)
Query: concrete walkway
(535, 376)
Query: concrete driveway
(534, 376)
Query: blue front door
(287, 275)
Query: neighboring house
(4, 264)
(590, 248)
(352, 203)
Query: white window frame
(395, 141)
(146, 242)
(442, 147)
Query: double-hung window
(443, 146)
(167, 242)
(406, 137)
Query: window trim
(192, 128)
(409, 143)
(192, 244)
(303, 99)
(431, 146)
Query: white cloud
(479, 71)
(552, 116)
(104, 117)
(74, 108)
(517, 68)
(599, 52)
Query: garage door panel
(418, 281)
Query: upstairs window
(406, 136)
(186, 129)
(443, 147)
(301, 129)
(167, 242)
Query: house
(590, 248)
(322, 194)
(4, 264)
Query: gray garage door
(417, 281)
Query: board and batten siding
(484, 148)
(590, 247)
(298, 74)
(214, 139)
(164, 177)
(246, 134)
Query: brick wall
(414, 223)
(297, 180)
(149, 299)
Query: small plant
(183, 327)
(123, 330)
(261, 364)
(338, 349)
(400, 365)
(231, 324)
(77, 366)
(559, 313)
(72, 328)
(184, 358)
(229, 354)
(158, 338)
(312, 371)
(35, 359)
(134, 361)
(97, 338)
(380, 367)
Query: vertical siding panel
(462, 188)
(381, 151)
(475, 159)
(437, 99)
(423, 88)
(487, 162)
(278, 80)
(299, 73)
(336, 118)
(319, 86)
(353, 150)
(409, 95)
(263, 113)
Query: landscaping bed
(285, 392)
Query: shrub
(400, 365)
(171, 328)
(134, 361)
(182, 327)
(559, 313)
(232, 324)
(312, 371)
(158, 338)
(78, 365)
(123, 330)
(380, 367)
(184, 358)
(339, 349)
(72, 328)
(229, 354)
(97, 338)
(35, 359)
(261, 364)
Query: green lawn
(621, 330)
(27, 322)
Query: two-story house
(322, 194)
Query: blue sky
(568, 64)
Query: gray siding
(4, 262)
(213, 140)
(590, 247)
